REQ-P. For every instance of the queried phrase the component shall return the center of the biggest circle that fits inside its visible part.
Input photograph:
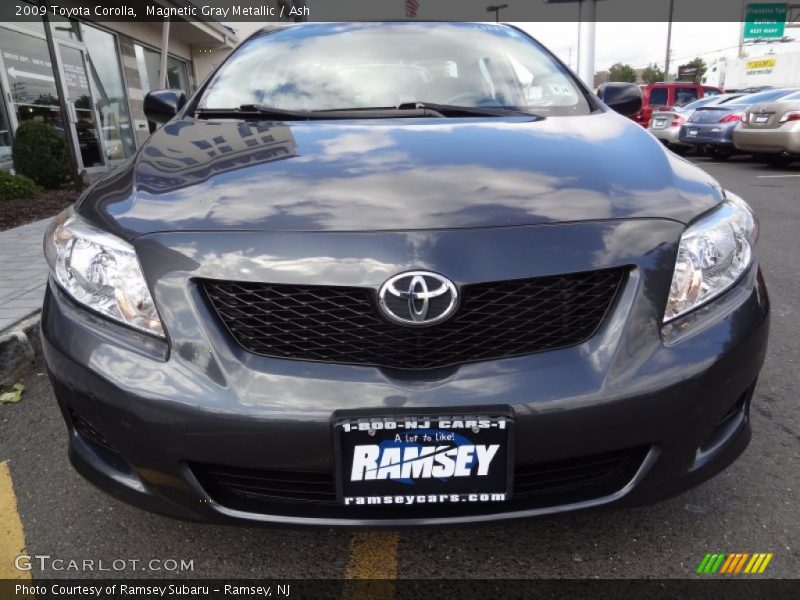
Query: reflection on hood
(187, 154)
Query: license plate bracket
(423, 459)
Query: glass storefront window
(65, 29)
(109, 93)
(29, 73)
(177, 76)
(5, 134)
(149, 63)
(76, 80)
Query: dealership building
(102, 71)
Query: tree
(699, 64)
(41, 154)
(652, 74)
(622, 72)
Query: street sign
(764, 21)
(686, 73)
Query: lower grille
(342, 325)
(578, 473)
(85, 429)
(578, 478)
(231, 486)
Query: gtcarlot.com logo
(45, 562)
(734, 563)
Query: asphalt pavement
(753, 506)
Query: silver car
(772, 129)
(666, 124)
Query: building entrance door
(82, 116)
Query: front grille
(555, 482)
(342, 324)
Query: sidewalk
(23, 272)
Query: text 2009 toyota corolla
(402, 274)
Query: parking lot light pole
(496, 8)
(586, 39)
(587, 23)
(164, 52)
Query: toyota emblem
(418, 298)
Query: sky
(634, 43)
(639, 44)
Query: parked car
(666, 124)
(304, 303)
(753, 89)
(772, 129)
(666, 96)
(712, 126)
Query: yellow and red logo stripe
(735, 562)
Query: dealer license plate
(412, 460)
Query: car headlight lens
(713, 254)
(100, 271)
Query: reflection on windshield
(363, 65)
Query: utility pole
(669, 40)
(740, 53)
(496, 8)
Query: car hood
(396, 174)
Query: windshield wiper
(261, 111)
(254, 110)
(451, 110)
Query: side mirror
(624, 98)
(161, 105)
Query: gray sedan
(772, 129)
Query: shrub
(14, 187)
(40, 154)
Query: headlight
(713, 254)
(100, 271)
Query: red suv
(669, 95)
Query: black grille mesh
(590, 476)
(343, 324)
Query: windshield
(699, 103)
(315, 67)
(763, 96)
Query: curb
(19, 348)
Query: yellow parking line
(373, 556)
(12, 537)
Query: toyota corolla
(387, 274)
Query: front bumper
(785, 138)
(715, 134)
(143, 414)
